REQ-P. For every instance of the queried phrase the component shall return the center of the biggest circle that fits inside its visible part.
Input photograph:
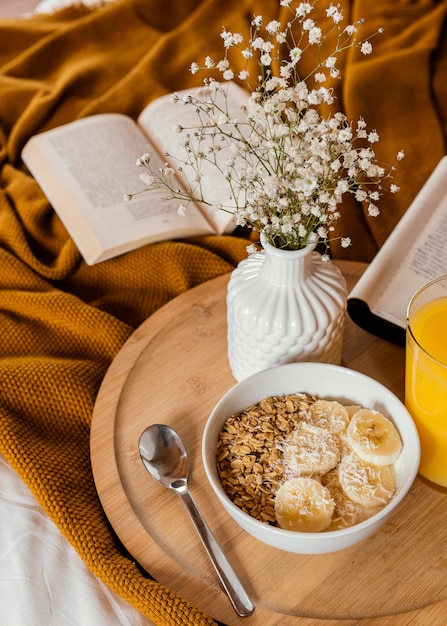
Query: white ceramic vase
(284, 306)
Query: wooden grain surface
(173, 369)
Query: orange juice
(426, 385)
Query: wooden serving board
(173, 370)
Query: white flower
(281, 130)
(345, 134)
(350, 30)
(308, 24)
(285, 71)
(181, 210)
(303, 9)
(272, 83)
(342, 186)
(335, 13)
(147, 179)
(258, 43)
(336, 165)
(326, 95)
(273, 27)
(361, 195)
(167, 171)
(252, 249)
(315, 35)
(267, 46)
(231, 39)
(314, 97)
(144, 160)
(295, 55)
(223, 65)
(281, 37)
(289, 157)
(266, 59)
(308, 187)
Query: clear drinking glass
(426, 376)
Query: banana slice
(373, 437)
(366, 484)
(347, 513)
(304, 505)
(311, 450)
(352, 408)
(330, 415)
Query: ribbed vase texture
(284, 306)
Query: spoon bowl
(164, 455)
(165, 458)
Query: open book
(414, 254)
(86, 167)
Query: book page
(414, 254)
(85, 168)
(426, 260)
(159, 119)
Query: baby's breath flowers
(288, 156)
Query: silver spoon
(165, 458)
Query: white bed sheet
(47, 6)
(43, 581)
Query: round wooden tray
(172, 370)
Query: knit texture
(62, 322)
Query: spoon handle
(228, 577)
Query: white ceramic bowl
(328, 382)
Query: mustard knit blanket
(63, 322)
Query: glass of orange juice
(426, 376)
